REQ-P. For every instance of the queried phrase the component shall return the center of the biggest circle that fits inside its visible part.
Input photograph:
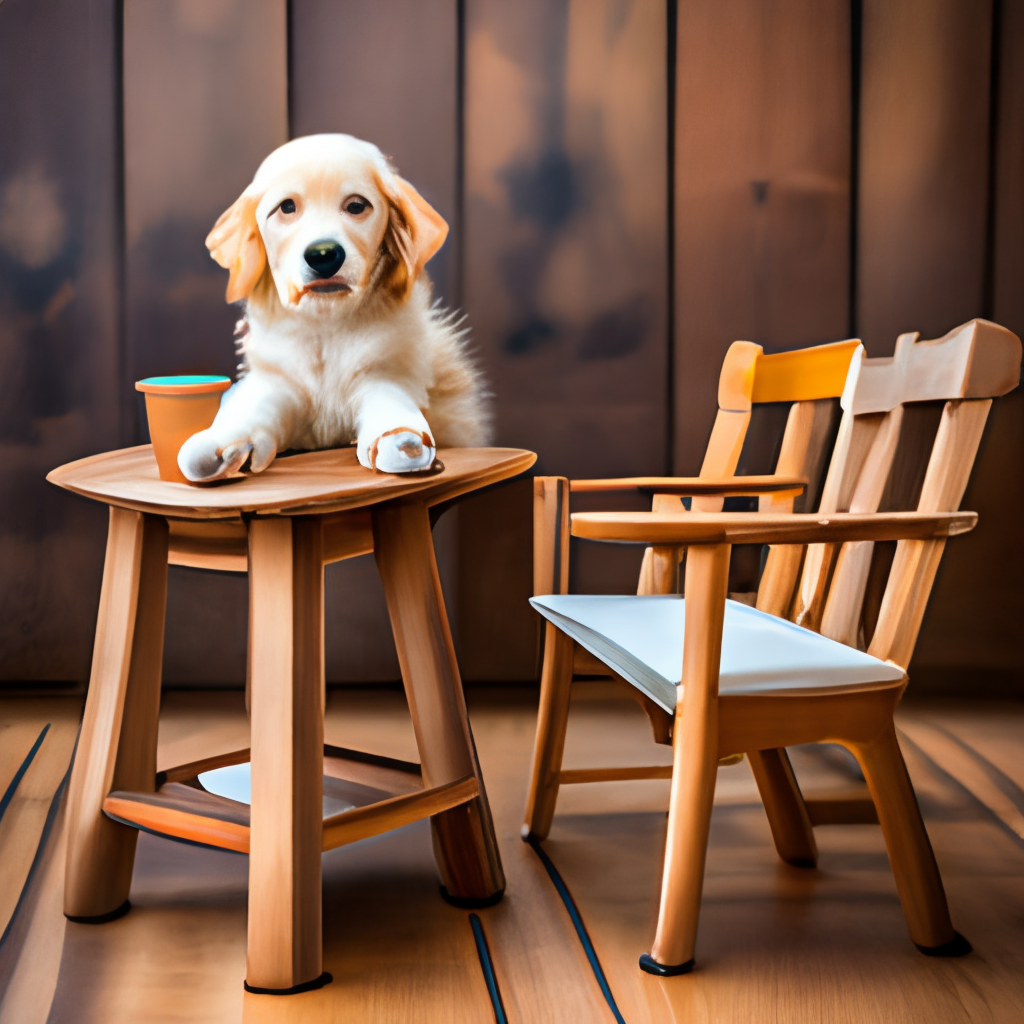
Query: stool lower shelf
(206, 802)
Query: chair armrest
(693, 486)
(767, 527)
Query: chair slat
(800, 450)
(841, 617)
(916, 562)
(953, 455)
(853, 445)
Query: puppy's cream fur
(360, 356)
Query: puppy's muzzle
(324, 258)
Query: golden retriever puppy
(327, 247)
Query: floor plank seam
(581, 929)
(5, 800)
(44, 836)
(487, 966)
(941, 773)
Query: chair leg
(695, 765)
(689, 825)
(910, 852)
(117, 747)
(465, 845)
(552, 721)
(784, 806)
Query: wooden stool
(283, 527)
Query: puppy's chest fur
(323, 362)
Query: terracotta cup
(177, 408)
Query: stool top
(304, 483)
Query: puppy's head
(330, 222)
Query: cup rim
(185, 384)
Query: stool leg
(464, 841)
(287, 729)
(117, 746)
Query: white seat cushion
(641, 638)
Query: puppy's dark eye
(356, 205)
(288, 206)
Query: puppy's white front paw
(203, 460)
(402, 451)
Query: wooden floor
(776, 943)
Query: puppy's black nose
(325, 258)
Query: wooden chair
(805, 686)
(812, 379)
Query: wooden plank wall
(936, 248)
(408, 50)
(60, 358)
(924, 154)
(566, 275)
(631, 185)
(205, 99)
(762, 190)
(970, 642)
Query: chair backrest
(881, 452)
(751, 377)
(810, 379)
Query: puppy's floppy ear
(428, 228)
(414, 234)
(237, 245)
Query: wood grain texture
(565, 219)
(386, 71)
(858, 922)
(761, 188)
(497, 632)
(286, 827)
(205, 90)
(766, 527)
(965, 748)
(924, 119)
(977, 359)
(552, 721)
(910, 852)
(205, 101)
(550, 535)
(776, 943)
(411, 112)
(695, 758)
(916, 561)
(1008, 228)
(566, 271)
(119, 730)
(860, 477)
(59, 254)
(787, 813)
(979, 640)
(189, 813)
(24, 821)
(466, 847)
(397, 811)
(322, 481)
(30, 963)
(733, 485)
